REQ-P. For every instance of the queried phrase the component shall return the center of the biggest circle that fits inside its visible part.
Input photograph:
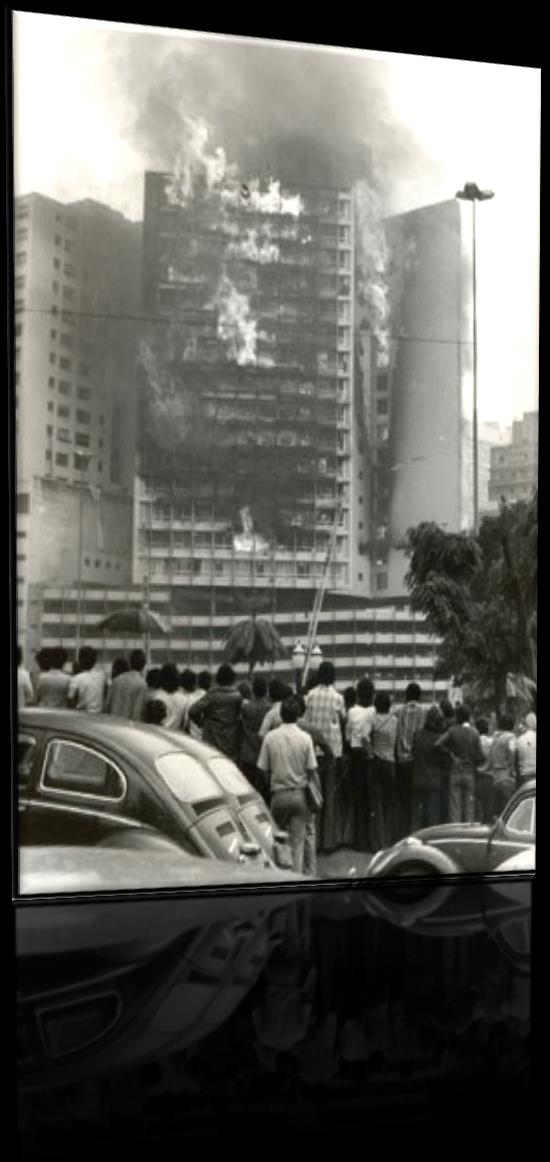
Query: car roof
(139, 738)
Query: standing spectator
(277, 691)
(502, 763)
(87, 687)
(463, 744)
(326, 711)
(154, 712)
(127, 686)
(187, 688)
(147, 694)
(288, 758)
(381, 748)
(410, 718)
(253, 713)
(484, 779)
(448, 712)
(43, 659)
(120, 665)
(218, 713)
(25, 692)
(430, 763)
(53, 684)
(526, 750)
(170, 694)
(204, 682)
(359, 723)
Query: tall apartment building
(422, 443)
(245, 470)
(76, 299)
(514, 466)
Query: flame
(248, 541)
(195, 166)
(271, 201)
(257, 251)
(372, 266)
(235, 326)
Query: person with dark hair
(120, 665)
(381, 747)
(359, 723)
(430, 764)
(326, 711)
(219, 712)
(203, 684)
(448, 712)
(410, 718)
(484, 780)
(147, 693)
(154, 712)
(278, 691)
(87, 688)
(52, 685)
(25, 692)
(502, 762)
(169, 693)
(127, 686)
(253, 712)
(462, 743)
(287, 757)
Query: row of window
(62, 460)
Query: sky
(98, 103)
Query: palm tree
(255, 641)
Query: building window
(83, 417)
(63, 411)
(49, 430)
(56, 264)
(48, 453)
(82, 439)
(21, 256)
(100, 467)
(55, 287)
(84, 393)
(50, 405)
(64, 435)
(20, 282)
(66, 340)
(68, 292)
(382, 581)
(97, 564)
(57, 240)
(53, 334)
(22, 234)
(53, 358)
(63, 387)
(51, 381)
(62, 459)
(65, 364)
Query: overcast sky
(96, 104)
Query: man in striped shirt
(326, 713)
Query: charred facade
(246, 394)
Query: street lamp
(299, 661)
(79, 453)
(472, 193)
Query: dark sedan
(476, 848)
(89, 780)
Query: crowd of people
(381, 772)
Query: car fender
(430, 857)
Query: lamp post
(79, 454)
(299, 661)
(472, 193)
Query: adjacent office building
(514, 466)
(76, 299)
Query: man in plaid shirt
(326, 712)
(410, 718)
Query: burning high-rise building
(248, 445)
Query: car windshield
(230, 777)
(186, 777)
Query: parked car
(88, 780)
(451, 848)
(56, 870)
(523, 861)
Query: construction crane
(319, 596)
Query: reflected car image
(452, 848)
(88, 780)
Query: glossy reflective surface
(144, 1024)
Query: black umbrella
(136, 620)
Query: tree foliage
(479, 597)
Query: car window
(25, 752)
(72, 767)
(522, 818)
(229, 776)
(186, 777)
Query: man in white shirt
(526, 750)
(87, 688)
(359, 724)
(288, 758)
(25, 692)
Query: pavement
(343, 863)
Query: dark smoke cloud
(302, 115)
